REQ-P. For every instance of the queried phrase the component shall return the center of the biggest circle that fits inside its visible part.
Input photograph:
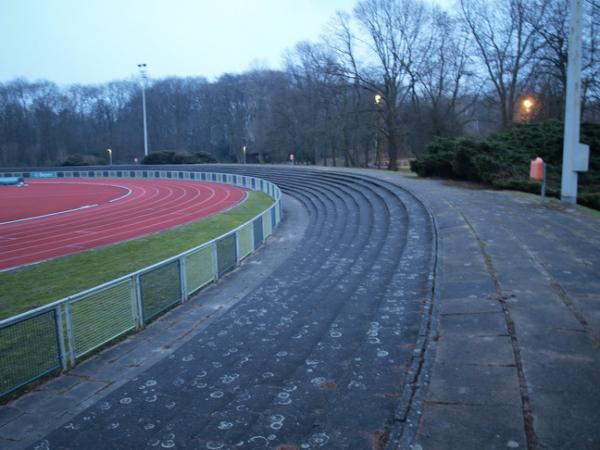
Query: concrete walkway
(515, 361)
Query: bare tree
(506, 37)
(445, 78)
(379, 48)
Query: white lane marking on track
(129, 192)
(170, 194)
(43, 216)
(49, 214)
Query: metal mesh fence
(199, 269)
(29, 350)
(245, 237)
(226, 255)
(160, 289)
(102, 316)
(267, 226)
(258, 231)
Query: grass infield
(39, 284)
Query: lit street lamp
(527, 106)
(244, 153)
(377, 100)
(109, 156)
(142, 68)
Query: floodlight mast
(575, 154)
(144, 76)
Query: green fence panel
(258, 231)
(267, 226)
(160, 289)
(245, 244)
(277, 212)
(28, 350)
(226, 255)
(199, 269)
(101, 317)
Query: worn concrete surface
(53, 404)
(515, 361)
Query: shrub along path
(502, 159)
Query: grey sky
(92, 41)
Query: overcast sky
(94, 41)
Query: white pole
(145, 125)
(143, 72)
(568, 190)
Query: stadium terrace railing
(56, 336)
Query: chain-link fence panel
(160, 289)
(245, 243)
(101, 317)
(226, 254)
(199, 269)
(29, 350)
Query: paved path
(335, 349)
(515, 361)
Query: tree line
(382, 82)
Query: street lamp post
(144, 76)
(244, 153)
(377, 100)
(575, 154)
(109, 156)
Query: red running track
(50, 218)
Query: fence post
(70, 337)
(183, 278)
(237, 247)
(60, 329)
(215, 259)
(136, 302)
(252, 240)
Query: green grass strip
(39, 284)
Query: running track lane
(129, 208)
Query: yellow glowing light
(377, 99)
(528, 104)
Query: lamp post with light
(378, 99)
(527, 105)
(144, 76)
(109, 156)
(244, 154)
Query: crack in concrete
(530, 434)
(562, 295)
